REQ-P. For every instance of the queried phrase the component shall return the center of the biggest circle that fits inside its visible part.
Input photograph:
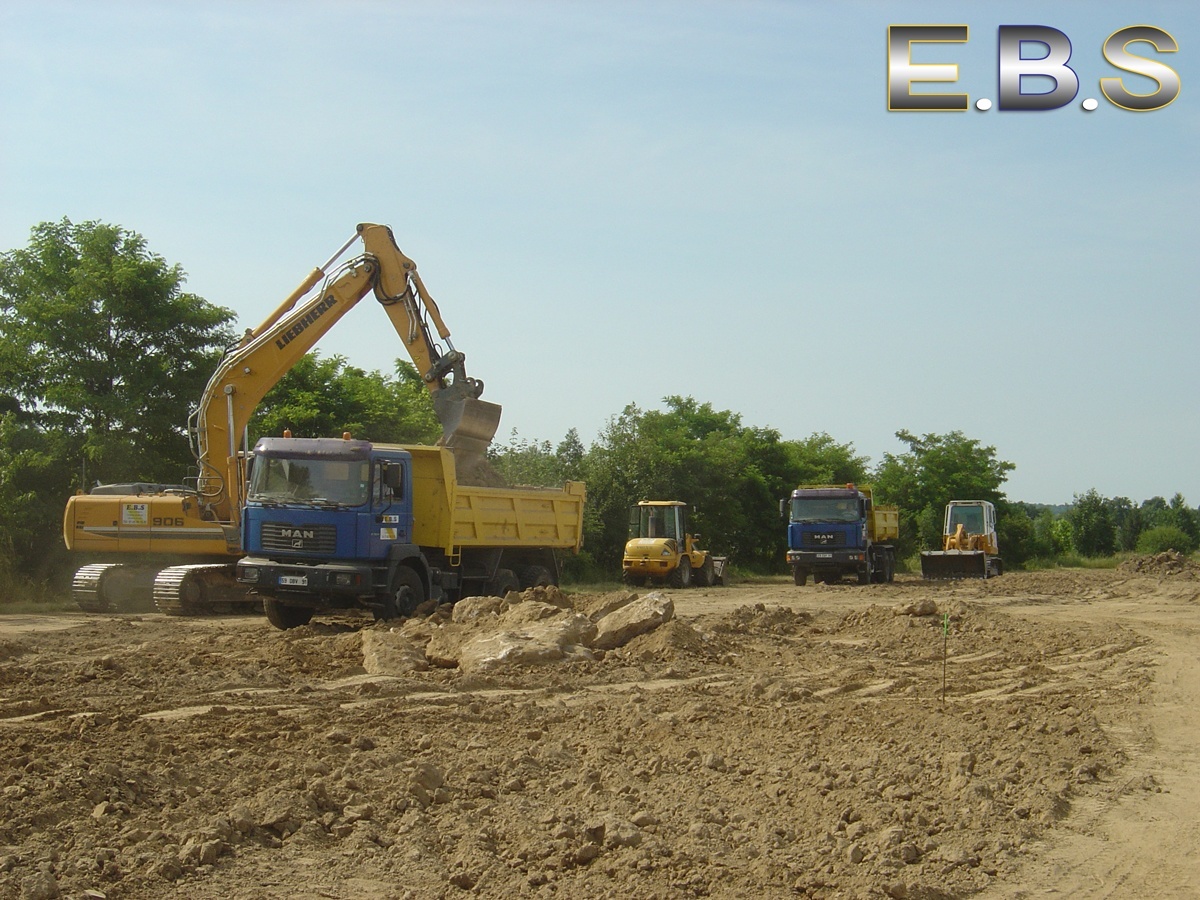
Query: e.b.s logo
(1033, 69)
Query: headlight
(249, 573)
(345, 579)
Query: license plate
(294, 580)
(824, 556)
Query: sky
(617, 202)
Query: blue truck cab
(834, 531)
(327, 522)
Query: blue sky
(617, 202)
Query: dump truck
(334, 524)
(175, 544)
(836, 531)
(662, 548)
(970, 548)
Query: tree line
(103, 354)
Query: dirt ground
(1032, 735)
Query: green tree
(326, 397)
(1092, 524)
(98, 340)
(101, 353)
(936, 469)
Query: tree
(1092, 525)
(101, 353)
(936, 469)
(98, 339)
(325, 397)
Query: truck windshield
(284, 480)
(824, 509)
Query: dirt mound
(1168, 564)
(914, 749)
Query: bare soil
(1025, 736)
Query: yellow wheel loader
(969, 545)
(662, 550)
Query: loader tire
(706, 575)
(681, 576)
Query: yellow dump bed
(452, 516)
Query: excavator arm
(265, 354)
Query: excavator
(176, 545)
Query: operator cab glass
(655, 522)
(825, 509)
(970, 517)
(284, 480)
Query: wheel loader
(969, 545)
(661, 549)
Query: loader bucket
(468, 426)
(938, 565)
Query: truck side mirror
(393, 477)
(783, 508)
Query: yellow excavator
(176, 545)
(970, 548)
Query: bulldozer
(662, 549)
(970, 548)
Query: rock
(639, 617)
(391, 653)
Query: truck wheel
(681, 577)
(800, 576)
(864, 575)
(890, 563)
(405, 595)
(534, 576)
(505, 581)
(283, 616)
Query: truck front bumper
(326, 580)
(817, 560)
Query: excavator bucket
(938, 565)
(468, 426)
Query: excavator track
(113, 587)
(86, 590)
(200, 590)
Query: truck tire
(864, 574)
(405, 594)
(681, 575)
(534, 576)
(504, 581)
(800, 575)
(284, 616)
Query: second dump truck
(338, 524)
(838, 530)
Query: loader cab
(976, 517)
(658, 520)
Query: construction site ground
(1033, 735)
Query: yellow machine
(662, 549)
(969, 545)
(141, 534)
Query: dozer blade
(937, 565)
(468, 426)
